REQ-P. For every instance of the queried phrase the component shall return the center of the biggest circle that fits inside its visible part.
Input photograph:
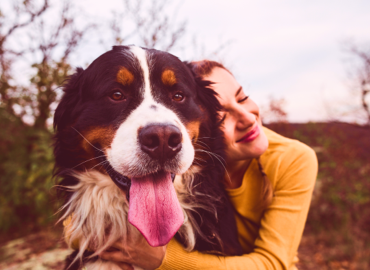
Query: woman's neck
(235, 173)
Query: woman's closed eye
(241, 100)
(240, 96)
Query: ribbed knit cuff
(178, 258)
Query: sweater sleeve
(281, 225)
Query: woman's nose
(245, 119)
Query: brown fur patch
(200, 146)
(101, 135)
(168, 77)
(97, 135)
(124, 76)
(193, 130)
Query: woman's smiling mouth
(251, 135)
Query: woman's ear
(72, 94)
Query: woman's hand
(135, 252)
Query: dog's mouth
(122, 181)
(154, 208)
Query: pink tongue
(154, 208)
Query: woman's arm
(281, 226)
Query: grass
(337, 234)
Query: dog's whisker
(206, 138)
(88, 160)
(202, 144)
(88, 141)
(199, 159)
(212, 154)
(219, 159)
(100, 163)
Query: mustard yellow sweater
(269, 239)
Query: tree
(49, 46)
(27, 161)
(9, 92)
(275, 112)
(148, 24)
(363, 79)
(38, 37)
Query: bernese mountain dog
(139, 150)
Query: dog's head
(139, 113)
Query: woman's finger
(118, 244)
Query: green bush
(26, 164)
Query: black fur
(219, 232)
(84, 105)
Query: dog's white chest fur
(99, 217)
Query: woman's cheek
(260, 145)
(253, 108)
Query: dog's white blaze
(142, 57)
(125, 152)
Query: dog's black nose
(160, 142)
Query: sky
(282, 49)
(286, 49)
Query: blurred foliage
(26, 160)
(363, 79)
(26, 164)
(340, 207)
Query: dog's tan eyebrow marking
(124, 76)
(168, 77)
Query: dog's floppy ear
(72, 93)
(206, 95)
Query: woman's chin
(261, 144)
(253, 149)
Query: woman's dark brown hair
(204, 68)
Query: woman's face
(242, 126)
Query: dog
(139, 150)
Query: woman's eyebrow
(238, 91)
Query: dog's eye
(117, 95)
(178, 97)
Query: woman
(270, 226)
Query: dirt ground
(314, 253)
(46, 250)
(38, 251)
